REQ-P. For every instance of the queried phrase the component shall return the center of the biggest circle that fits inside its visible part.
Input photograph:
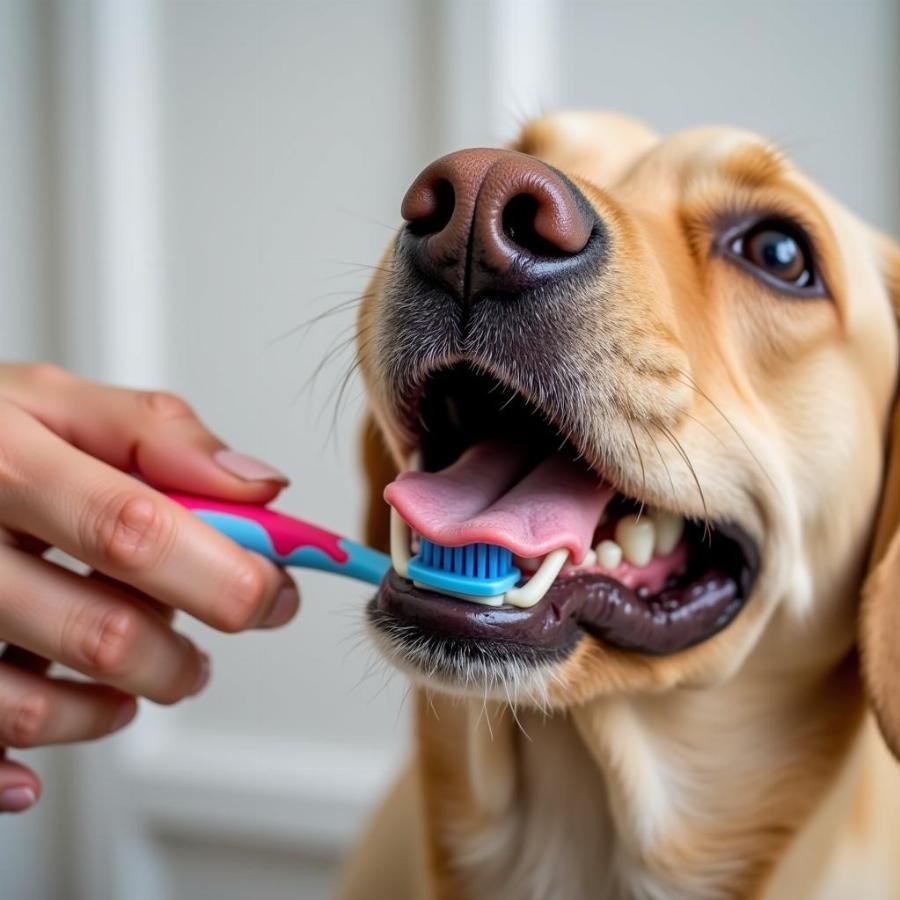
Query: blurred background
(184, 185)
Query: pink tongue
(488, 495)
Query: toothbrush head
(480, 572)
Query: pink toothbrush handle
(285, 532)
(287, 540)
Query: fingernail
(283, 608)
(249, 468)
(17, 799)
(125, 714)
(202, 676)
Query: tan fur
(747, 766)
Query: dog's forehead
(612, 150)
(706, 157)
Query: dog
(694, 324)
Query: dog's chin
(493, 670)
(515, 653)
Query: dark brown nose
(494, 221)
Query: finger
(23, 541)
(166, 613)
(25, 659)
(154, 432)
(36, 711)
(20, 788)
(96, 630)
(132, 533)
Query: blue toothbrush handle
(289, 541)
(362, 563)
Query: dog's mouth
(493, 470)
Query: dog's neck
(688, 794)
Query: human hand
(65, 447)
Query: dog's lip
(582, 603)
(587, 602)
(539, 627)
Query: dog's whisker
(304, 326)
(662, 459)
(429, 695)
(337, 410)
(637, 450)
(707, 529)
(691, 382)
(344, 339)
(357, 267)
(363, 217)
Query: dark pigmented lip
(673, 620)
(461, 405)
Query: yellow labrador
(669, 362)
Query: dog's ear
(379, 471)
(598, 146)
(879, 626)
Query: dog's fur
(751, 764)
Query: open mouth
(590, 559)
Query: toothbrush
(288, 541)
(481, 573)
(473, 570)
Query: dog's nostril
(518, 225)
(482, 221)
(442, 203)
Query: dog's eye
(779, 251)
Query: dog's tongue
(490, 495)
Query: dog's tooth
(669, 529)
(636, 535)
(400, 533)
(609, 554)
(590, 560)
(527, 563)
(534, 589)
(414, 461)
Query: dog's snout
(494, 221)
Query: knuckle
(131, 532)
(244, 598)
(43, 374)
(27, 720)
(165, 406)
(105, 645)
(10, 470)
(13, 447)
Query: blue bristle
(479, 569)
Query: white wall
(25, 323)
(186, 183)
(821, 77)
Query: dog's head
(686, 326)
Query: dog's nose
(494, 221)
